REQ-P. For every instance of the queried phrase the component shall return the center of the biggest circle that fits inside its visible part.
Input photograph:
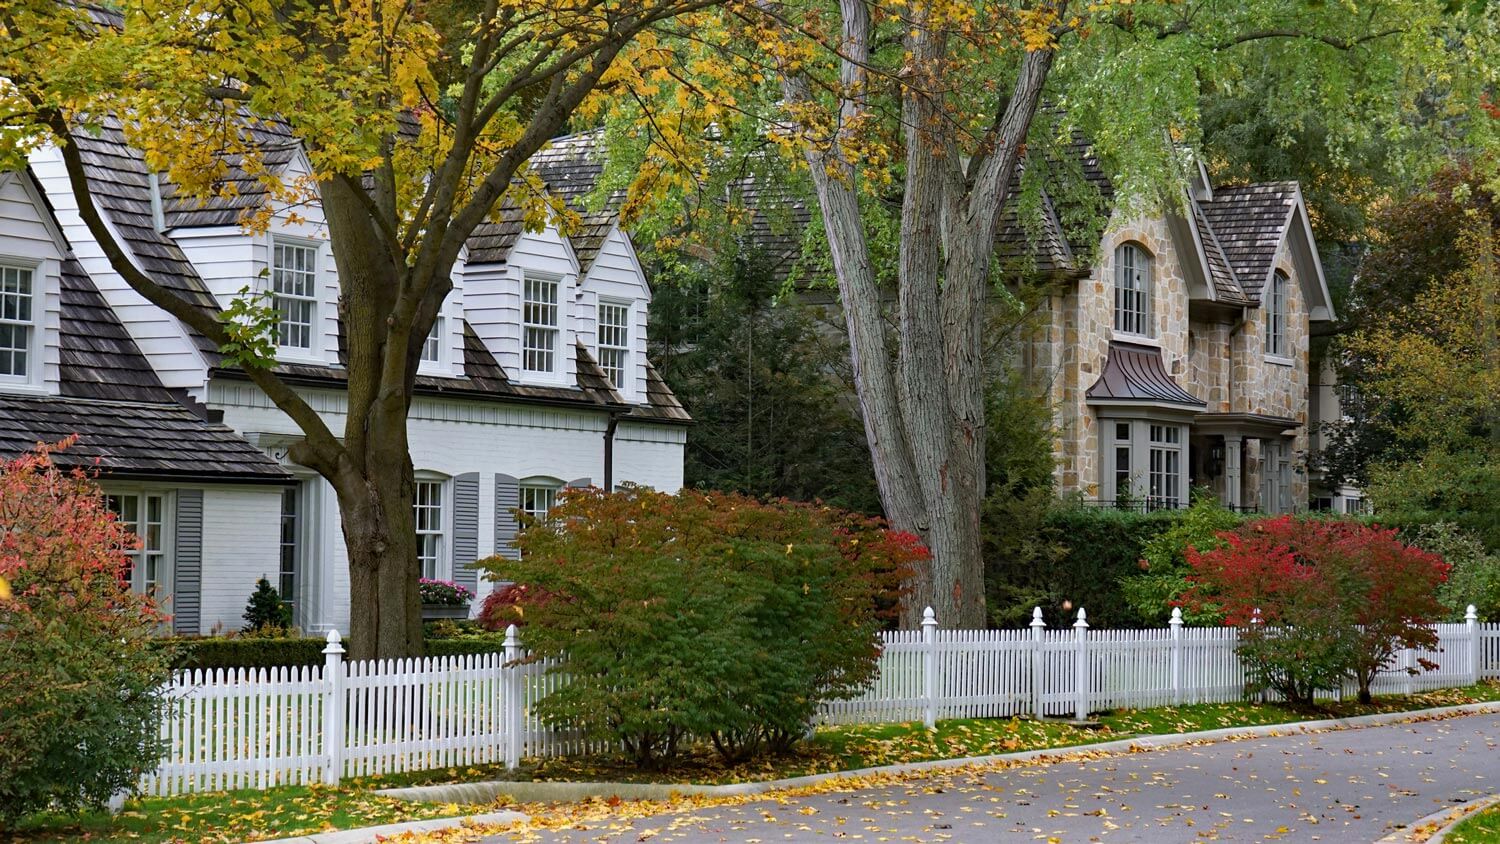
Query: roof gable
(1251, 222)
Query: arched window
(1133, 289)
(1275, 305)
(538, 495)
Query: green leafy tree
(1474, 571)
(922, 111)
(1164, 563)
(81, 675)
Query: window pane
(539, 316)
(428, 516)
(15, 320)
(432, 345)
(289, 545)
(294, 287)
(614, 342)
(1132, 289)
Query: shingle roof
(491, 242)
(590, 236)
(120, 184)
(246, 193)
(1251, 222)
(97, 358)
(661, 403)
(163, 440)
(1134, 373)
(1226, 284)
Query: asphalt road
(1344, 786)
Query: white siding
(241, 544)
(453, 437)
(163, 340)
(224, 258)
(616, 275)
(27, 241)
(494, 301)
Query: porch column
(1232, 445)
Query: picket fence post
(1038, 663)
(515, 703)
(1176, 624)
(1081, 687)
(333, 709)
(929, 667)
(1476, 644)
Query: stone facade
(1212, 350)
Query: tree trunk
(385, 608)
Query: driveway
(1343, 786)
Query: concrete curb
(481, 793)
(374, 833)
(1434, 828)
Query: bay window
(1144, 463)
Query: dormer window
(614, 342)
(1133, 290)
(1275, 306)
(432, 347)
(540, 325)
(17, 321)
(294, 270)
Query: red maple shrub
(700, 615)
(1318, 601)
(80, 674)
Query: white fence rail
(259, 728)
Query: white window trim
(539, 482)
(443, 569)
(35, 341)
(165, 580)
(1148, 290)
(1139, 472)
(627, 377)
(558, 373)
(313, 352)
(441, 363)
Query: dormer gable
(32, 253)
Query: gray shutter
(507, 501)
(187, 564)
(466, 530)
(581, 483)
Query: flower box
(434, 612)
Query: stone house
(1176, 358)
(534, 378)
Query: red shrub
(1335, 598)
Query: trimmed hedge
(266, 652)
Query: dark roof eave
(450, 392)
(167, 475)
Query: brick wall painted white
(241, 544)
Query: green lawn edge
(249, 815)
(1482, 827)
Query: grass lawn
(1483, 828)
(283, 812)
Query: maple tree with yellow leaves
(417, 117)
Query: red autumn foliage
(1335, 598)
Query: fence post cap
(1082, 619)
(1472, 613)
(1036, 617)
(333, 639)
(512, 637)
(1176, 617)
(929, 618)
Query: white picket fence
(259, 728)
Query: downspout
(609, 451)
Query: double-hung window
(291, 544)
(614, 342)
(17, 321)
(144, 514)
(540, 325)
(432, 347)
(428, 512)
(1132, 290)
(1165, 466)
(1275, 307)
(1122, 461)
(538, 497)
(294, 286)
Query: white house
(535, 378)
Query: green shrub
(80, 681)
(1041, 552)
(265, 609)
(245, 651)
(1474, 577)
(702, 615)
(1163, 577)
